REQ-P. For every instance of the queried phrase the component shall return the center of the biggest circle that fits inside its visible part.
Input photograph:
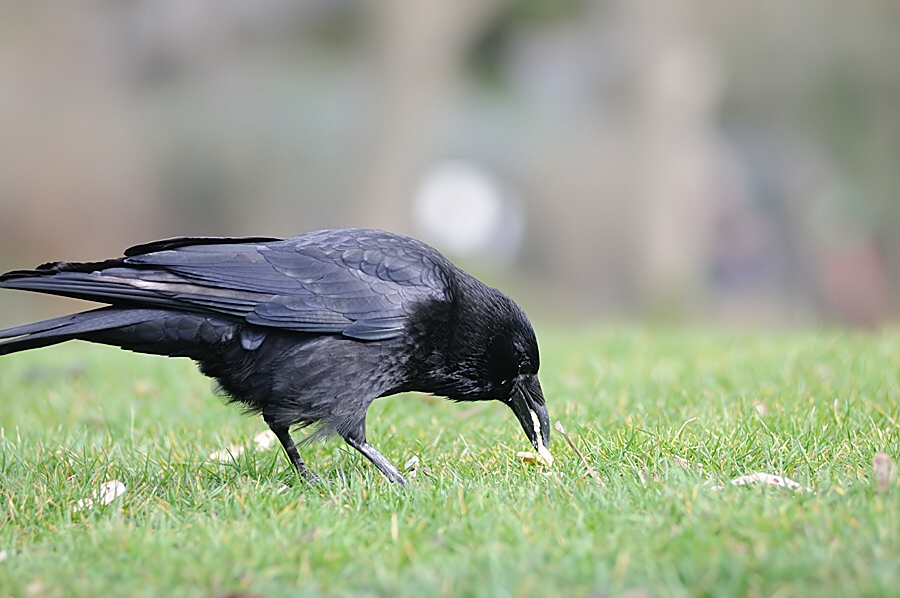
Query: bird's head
(512, 363)
(496, 357)
(486, 349)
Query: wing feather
(357, 282)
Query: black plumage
(305, 331)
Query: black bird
(308, 330)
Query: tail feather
(58, 330)
(38, 327)
(159, 331)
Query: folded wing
(361, 285)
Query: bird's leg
(379, 460)
(290, 447)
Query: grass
(664, 417)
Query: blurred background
(723, 163)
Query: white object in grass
(526, 456)
(227, 454)
(107, 493)
(768, 478)
(885, 471)
(411, 467)
(543, 455)
(265, 440)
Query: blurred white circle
(463, 209)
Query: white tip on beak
(543, 457)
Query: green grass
(662, 416)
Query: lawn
(666, 418)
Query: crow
(306, 331)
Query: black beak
(527, 402)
